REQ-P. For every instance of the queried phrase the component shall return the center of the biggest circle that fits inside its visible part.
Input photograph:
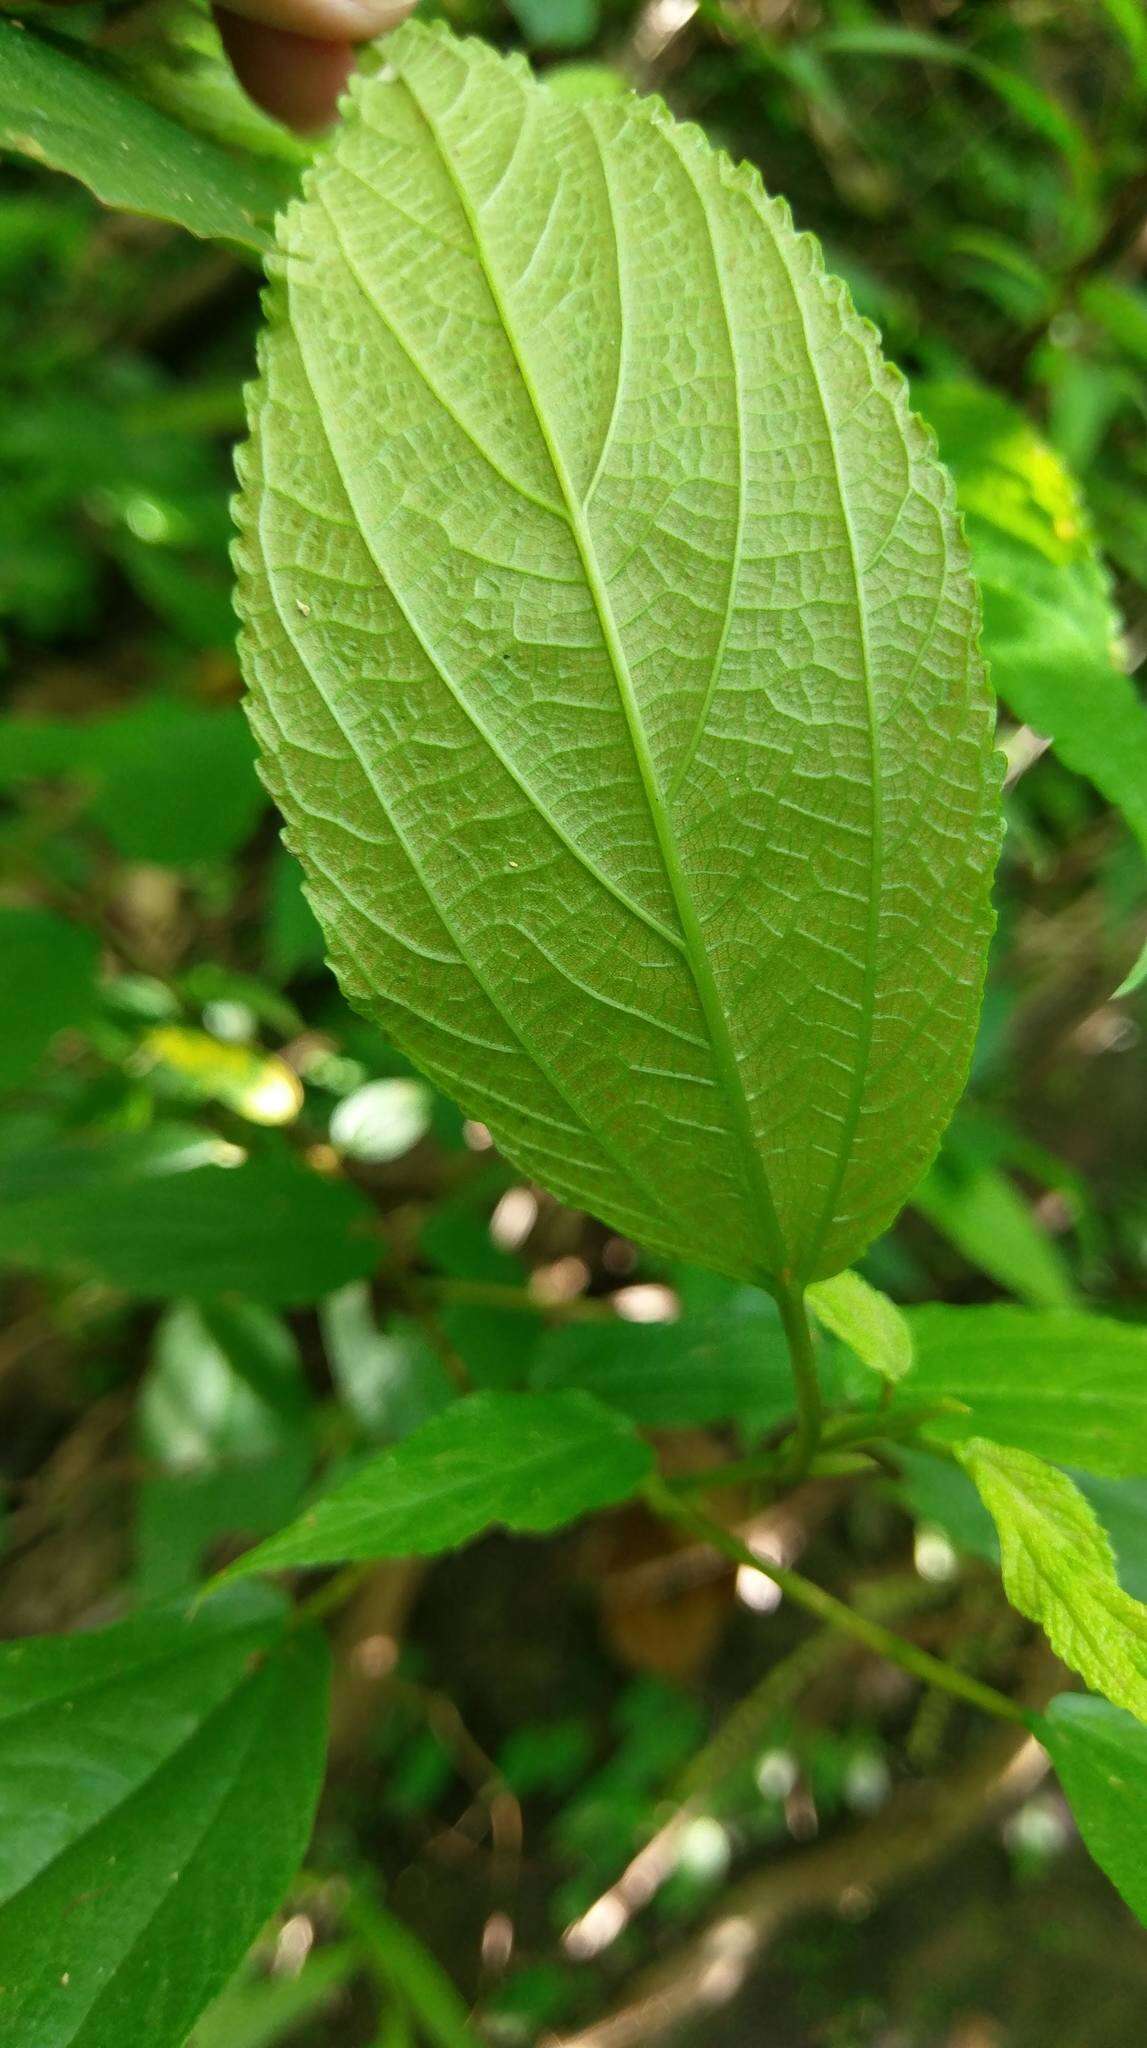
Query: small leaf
(148, 1215)
(711, 1367)
(617, 677)
(528, 1462)
(1070, 1387)
(1059, 1570)
(157, 1784)
(866, 1321)
(1100, 1758)
(71, 114)
(48, 986)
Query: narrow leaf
(71, 114)
(1059, 1570)
(1100, 1757)
(866, 1321)
(157, 1784)
(1070, 1387)
(526, 1461)
(617, 677)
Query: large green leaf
(617, 675)
(1100, 1756)
(155, 1214)
(526, 1461)
(1070, 1387)
(75, 116)
(1059, 1570)
(157, 1783)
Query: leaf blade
(166, 1844)
(648, 1073)
(528, 1462)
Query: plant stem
(920, 1664)
(806, 1442)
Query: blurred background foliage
(243, 1242)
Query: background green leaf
(150, 1214)
(528, 1462)
(157, 1784)
(1059, 1570)
(48, 986)
(1100, 1757)
(73, 115)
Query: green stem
(810, 1414)
(920, 1664)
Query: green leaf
(166, 781)
(150, 1215)
(1069, 1387)
(866, 1321)
(157, 1784)
(978, 1208)
(75, 116)
(528, 1462)
(391, 1380)
(407, 1969)
(617, 678)
(48, 986)
(1100, 1758)
(557, 24)
(1050, 631)
(704, 1368)
(1059, 1570)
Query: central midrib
(696, 955)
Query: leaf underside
(612, 653)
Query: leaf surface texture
(612, 652)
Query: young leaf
(526, 1461)
(866, 1321)
(1100, 1757)
(157, 1217)
(1070, 1387)
(157, 1784)
(77, 117)
(612, 651)
(1058, 1569)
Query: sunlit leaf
(527, 1462)
(617, 677)
(256, 1084)
(866, 1321)
(157, 1782)
(1050, 632)
(381, 1120)
(1059, 1570)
